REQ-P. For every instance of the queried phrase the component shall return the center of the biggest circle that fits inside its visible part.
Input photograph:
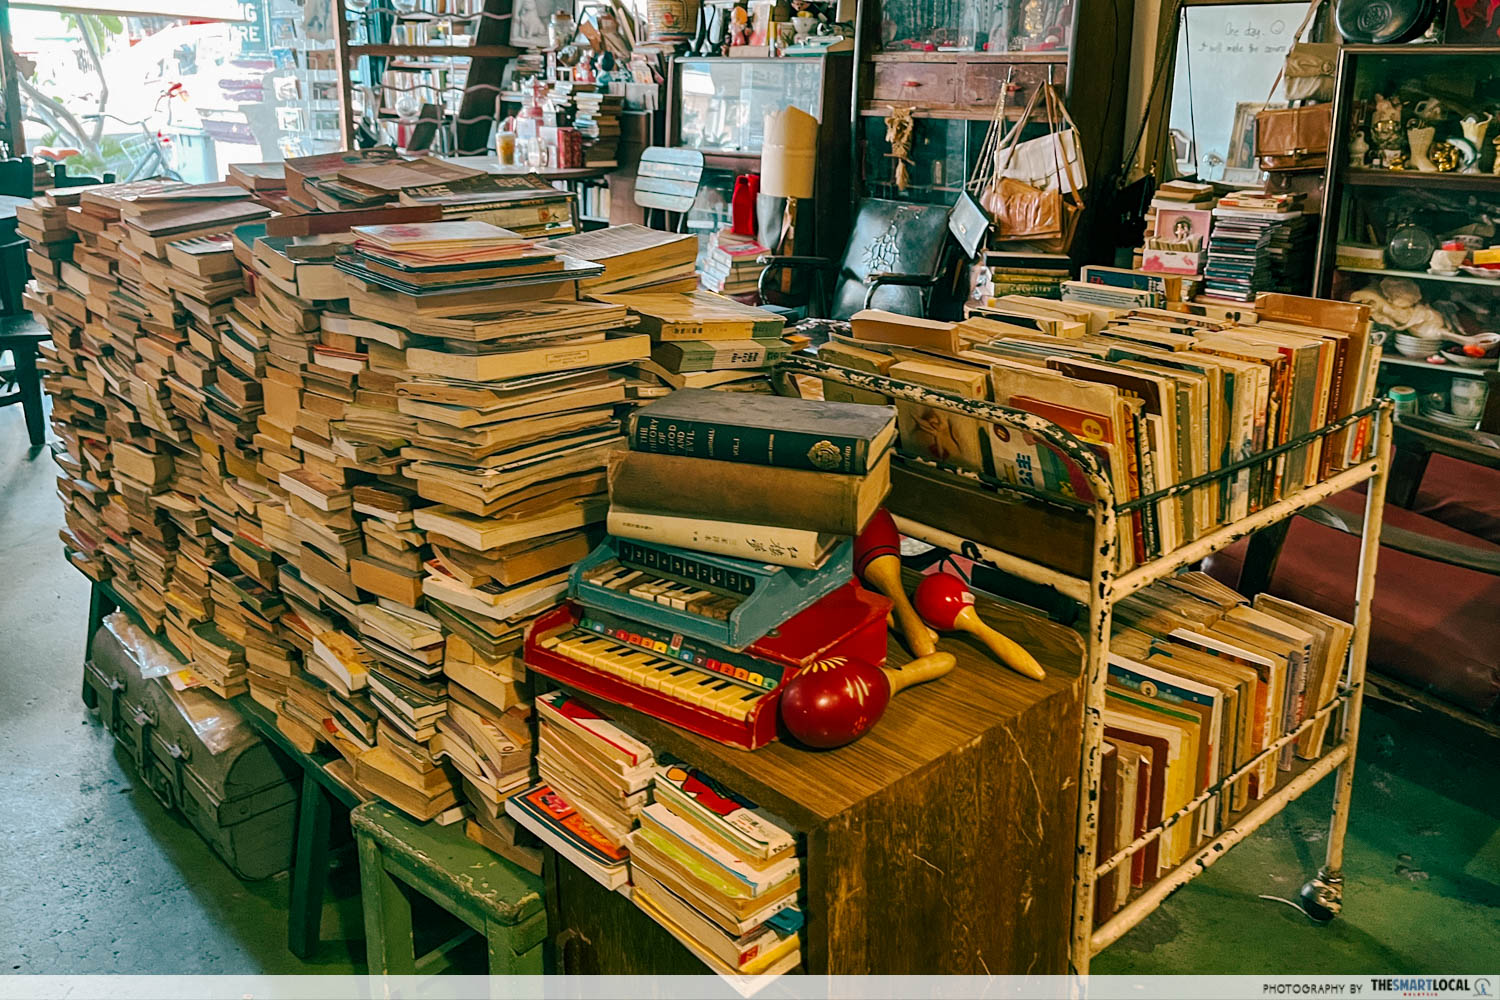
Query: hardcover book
(845, 438)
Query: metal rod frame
(1105, 586)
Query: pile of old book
(731, 265)
(598, 118)
(1160, 397)
(717, 872)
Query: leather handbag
(1023, 212)
(1054, 160)
(1293, 138)
(1309, 71)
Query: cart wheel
(1323, 898)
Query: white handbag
(1051, 162)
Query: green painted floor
(96, 877)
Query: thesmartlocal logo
(1433, 986)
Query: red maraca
(835, 701)
(946, 604)
(877, 561)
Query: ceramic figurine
(1474, 130)
(1385, 124)
(1358, 149)
(1430, 111)
(1419, 140)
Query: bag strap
(984, 165)
(1014, 137)
(1307, 19)
(1057, 109)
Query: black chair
(19, 381)
(61, 178)
(896, 255)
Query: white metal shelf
(1103, 588)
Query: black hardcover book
(787, 433)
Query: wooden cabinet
(940, 843)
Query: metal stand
(1106, 585)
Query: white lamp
(786, 161)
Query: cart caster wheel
(1323, 898)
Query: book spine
(795, 547)
(750, 445)
(674, 484)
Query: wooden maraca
(836, 701)
(877, 561)
(947, 604)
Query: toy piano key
(728, 602)
(947, 604)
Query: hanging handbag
(1032, 218)
(1051, 161)
(1294, 138)
(1310, 66)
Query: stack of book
(731, 265)
(717, 872)
(1200, 683)
(598, 118)
(745, 468)
(594, 781)
(522, 203)
(634, 258)
(1260, 243)
(703, 340)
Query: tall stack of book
(1260, 243)
(731, 264)
(598, 118)
(703, 340)
(717, 872)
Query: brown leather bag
(1022, 212)
(1294, 138)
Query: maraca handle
(884, 573)
(918, 671)
(1005, 650)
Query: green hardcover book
(755, 429)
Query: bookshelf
(394, 66)
(1104, 586)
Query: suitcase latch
(178, 752)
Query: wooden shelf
(471, 51)
(972, 113)
(897, 55)
(1414, 178)
(1457, 279)
(1421, 50)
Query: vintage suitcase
(194, 751)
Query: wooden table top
(922, 724)
(492, 165)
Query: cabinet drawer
(919, 83)
(982, 81)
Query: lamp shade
(786, 155)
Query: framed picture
(1181, 225)
(528, 26)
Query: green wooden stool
(492, 896)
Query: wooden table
(942, 842)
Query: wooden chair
(19, 380)
(667, 181)
(496, 899)
(896, 255)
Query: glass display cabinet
(718, 105)
(1411, 212)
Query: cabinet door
(926, 83)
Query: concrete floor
(97, 878)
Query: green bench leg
(309, 868)
(503, 960)
(389, 947)
(100, 605)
